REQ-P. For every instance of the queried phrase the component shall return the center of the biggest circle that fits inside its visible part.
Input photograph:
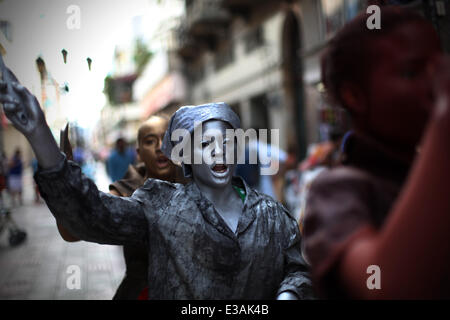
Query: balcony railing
(186, 45)
(204, 15)
(243, 7)
(226, 3)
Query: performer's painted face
(149, 149)
(219, 172)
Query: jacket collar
(211, 215)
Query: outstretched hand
(20, 106)
(23, 110)
(287, 295)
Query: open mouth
(220, 168)
(162, 162)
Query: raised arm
(89, 214)
(74, 200)
(25, 113)
(66, 235)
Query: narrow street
(39, 267)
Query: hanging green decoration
(89, 61)
(64, 53)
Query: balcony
(243, 7)
(205, 25)
(247, 3)
(186, 45)
(206, 18)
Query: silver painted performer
(214, 238)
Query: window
(197, 73)
(5, 27)
(224, 56)
(335, 13)
(254, 39)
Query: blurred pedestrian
(378, 225)
(3, 176)
(119, 160)
(299, 178)
(252, 172)
(15, 183)
(79, 155)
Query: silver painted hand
(23, 110)
(286, 295)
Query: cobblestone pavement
(39, 268)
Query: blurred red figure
(388, 205)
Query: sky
(45, 27)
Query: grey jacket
(192, 252)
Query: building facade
(263, 58)
(134, 95)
